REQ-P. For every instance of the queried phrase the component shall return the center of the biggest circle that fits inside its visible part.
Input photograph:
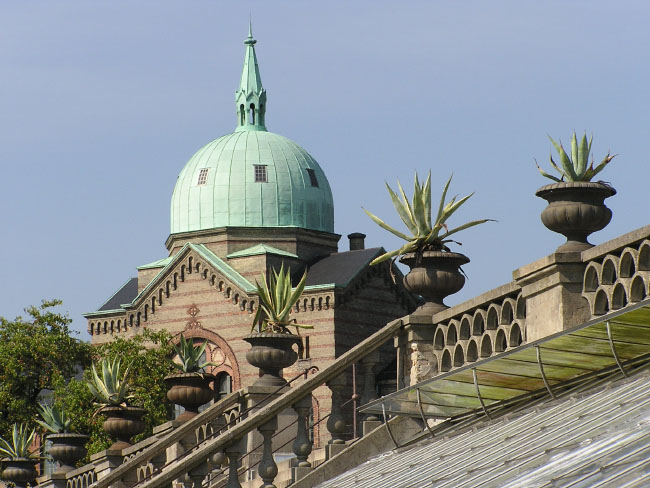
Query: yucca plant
(575, 167)
(112, 387)
(54, 419)
(190, 356)
(426, 234)
(277, 298)
(19, 444)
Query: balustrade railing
(200, 464)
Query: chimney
(357, 241)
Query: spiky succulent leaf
(576, 167)
(443, 197)
(547, 175)
(189, 356)
(574, 153)
(583, 155)
(465, 226)
(19, 444)
(276, 300)
(567, 165)
(112, 387)
(54, 419)
(426, 232)
(402, 211)
(407, 207)
(387, 227)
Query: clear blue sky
(102, 103)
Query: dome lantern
(251, 95)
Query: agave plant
(190, 356)
(576, 167)
(54, 419)
(277, 298)
(19, 444)
(426, 234)
(112, 387)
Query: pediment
(194, 259)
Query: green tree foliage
(148, 354)
(35, 353)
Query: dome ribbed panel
(231, 197)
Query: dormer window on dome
(312, 177)
(203, 176)
(260, 173)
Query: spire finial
(251, 95)
(250, 41)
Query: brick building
(243, 204)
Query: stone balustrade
(617, 272)
(209, 449)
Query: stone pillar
(416, 360)
(57, 480)
(552, 289)
(106, 461)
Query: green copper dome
(231, 196)
(252, 177)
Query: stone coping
(616, 243)
(545, 262)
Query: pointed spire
(251, 95)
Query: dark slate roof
(125, 294)
(339, 268)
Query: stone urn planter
(434, 276)
(271, 352)
(190, 391)
(67, 449)
(19, 471)
(122, 423)
(576, 209)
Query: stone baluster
(302, 446)
(369, 394)
(267, 469)
(233, 452)
(216, 465)
(194, 478)
(368, 364)
(336, 424)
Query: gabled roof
(340, 268)
(219, 264)
(125, 294)
(261, 249)
(128, 294)
(157, 264)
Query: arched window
(251, 118)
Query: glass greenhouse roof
(533, 369)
